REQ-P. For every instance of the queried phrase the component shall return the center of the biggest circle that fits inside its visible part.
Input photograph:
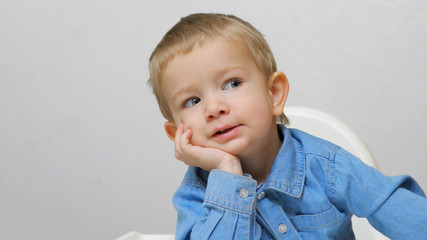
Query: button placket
(261, 196)
(283, 228)
(244, 193)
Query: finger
(190, 133)
(178, 138)
(187, 136)
(180, 129)
(186, 148)
(184, 141)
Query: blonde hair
(197, 28)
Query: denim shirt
(313, 189)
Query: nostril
(211, 116)
(215, 111)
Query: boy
(216, 83)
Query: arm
(217, 210)
(224, 208)
(402, 216)
(395, 206)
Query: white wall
(82, 149)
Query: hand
(204, 157)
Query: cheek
(256, 108)
(198, 138)
(195, 124)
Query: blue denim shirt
(313, 189)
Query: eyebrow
(222, 72)
(184, 89)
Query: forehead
(211, 55)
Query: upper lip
(223, 128)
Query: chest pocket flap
(325, 219)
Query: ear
(279, 89)
(171, 128)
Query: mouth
(224, 130)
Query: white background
(83, 154)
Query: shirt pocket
(330, 218)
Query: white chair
(325, 126)
(139, 236)
(329, 128)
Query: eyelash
(234, 80)
(195, 100)
(191, 101)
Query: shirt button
(244, 193)
(282, 228)
(261, 196)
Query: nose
(215, 108)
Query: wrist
(231, 165)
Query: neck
(259, 162)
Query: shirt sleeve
(224, 209)
(395, 206)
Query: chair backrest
(138, 236)
(326, 126)
(323, 125)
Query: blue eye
(231, 84)
(191, 102)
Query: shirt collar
(288, 171)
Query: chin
(235, 149)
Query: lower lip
(227, 135)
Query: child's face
(217, 91)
